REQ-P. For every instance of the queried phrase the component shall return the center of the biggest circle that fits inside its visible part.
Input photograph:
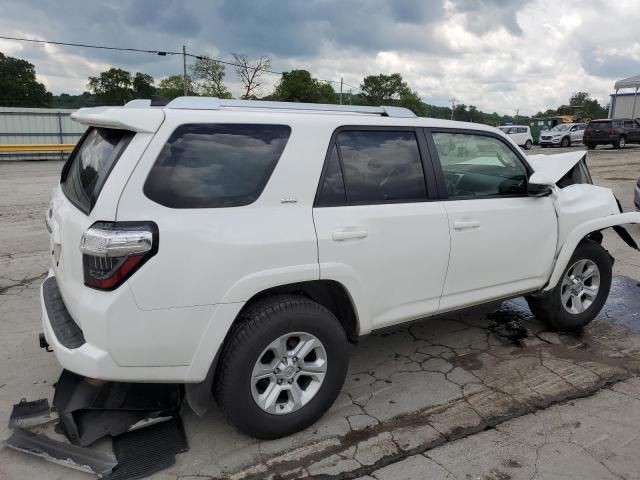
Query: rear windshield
(86, 171)
(593, 125)
(212, 165)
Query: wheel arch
(331, 294)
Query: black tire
(258, 326)
(591, 146)
(527, 145)
(550, 309)
(565, 142)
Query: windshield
(561, 128)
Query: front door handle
(466, 224)
(348, 233)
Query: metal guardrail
(41, 147)
(37, 133)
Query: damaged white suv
(237, 247)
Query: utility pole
(453, 106)
(517, 112)
(350, 95)
(184, 69)
(341, 81)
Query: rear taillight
(113, 251)
(612, 131)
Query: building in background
(625, 104)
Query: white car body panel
(387, 262)
(168, 320)
(488, 266)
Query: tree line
(19, 87)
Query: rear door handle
(466, 224)
(348, 233)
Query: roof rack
(213, 103)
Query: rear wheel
(527, 145)
(591, 146)
(620, 143)
(581, 292)
(565, 142)
(282, 366)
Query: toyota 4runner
(237, 247)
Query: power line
(162, 53)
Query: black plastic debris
(143, 452)
(71, 456)
(28, 413)
(91, 410)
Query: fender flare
(576, 236)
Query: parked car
(562, 135)
(239, 246)
(520, 134)
(617, 132)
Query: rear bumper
(159, 346)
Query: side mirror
(540, 185)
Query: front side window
(88, 168)
(212, 165)
(479, 166)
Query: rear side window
(89, 166)
(376, 167)
(598, 125)
(213, 166)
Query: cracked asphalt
(485, 394)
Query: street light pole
(341, 81)
(184, 69)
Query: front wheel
(565, 142)
(581, 292)
(282, 366)
(591, 146)
(527, 145)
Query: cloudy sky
(500, 55)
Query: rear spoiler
(145, 120)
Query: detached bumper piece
(61, 453)
(142, 419)
(89, 411)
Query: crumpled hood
(556, 166)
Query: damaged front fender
(578, 233)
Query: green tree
(391, 90)
(208, 77)
(300, 86)
(113, 87)
(378, 89)
(173, 86)
(19, 86)
(117, 86)
(143, 85)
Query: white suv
(239, 246)
(520, 134)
